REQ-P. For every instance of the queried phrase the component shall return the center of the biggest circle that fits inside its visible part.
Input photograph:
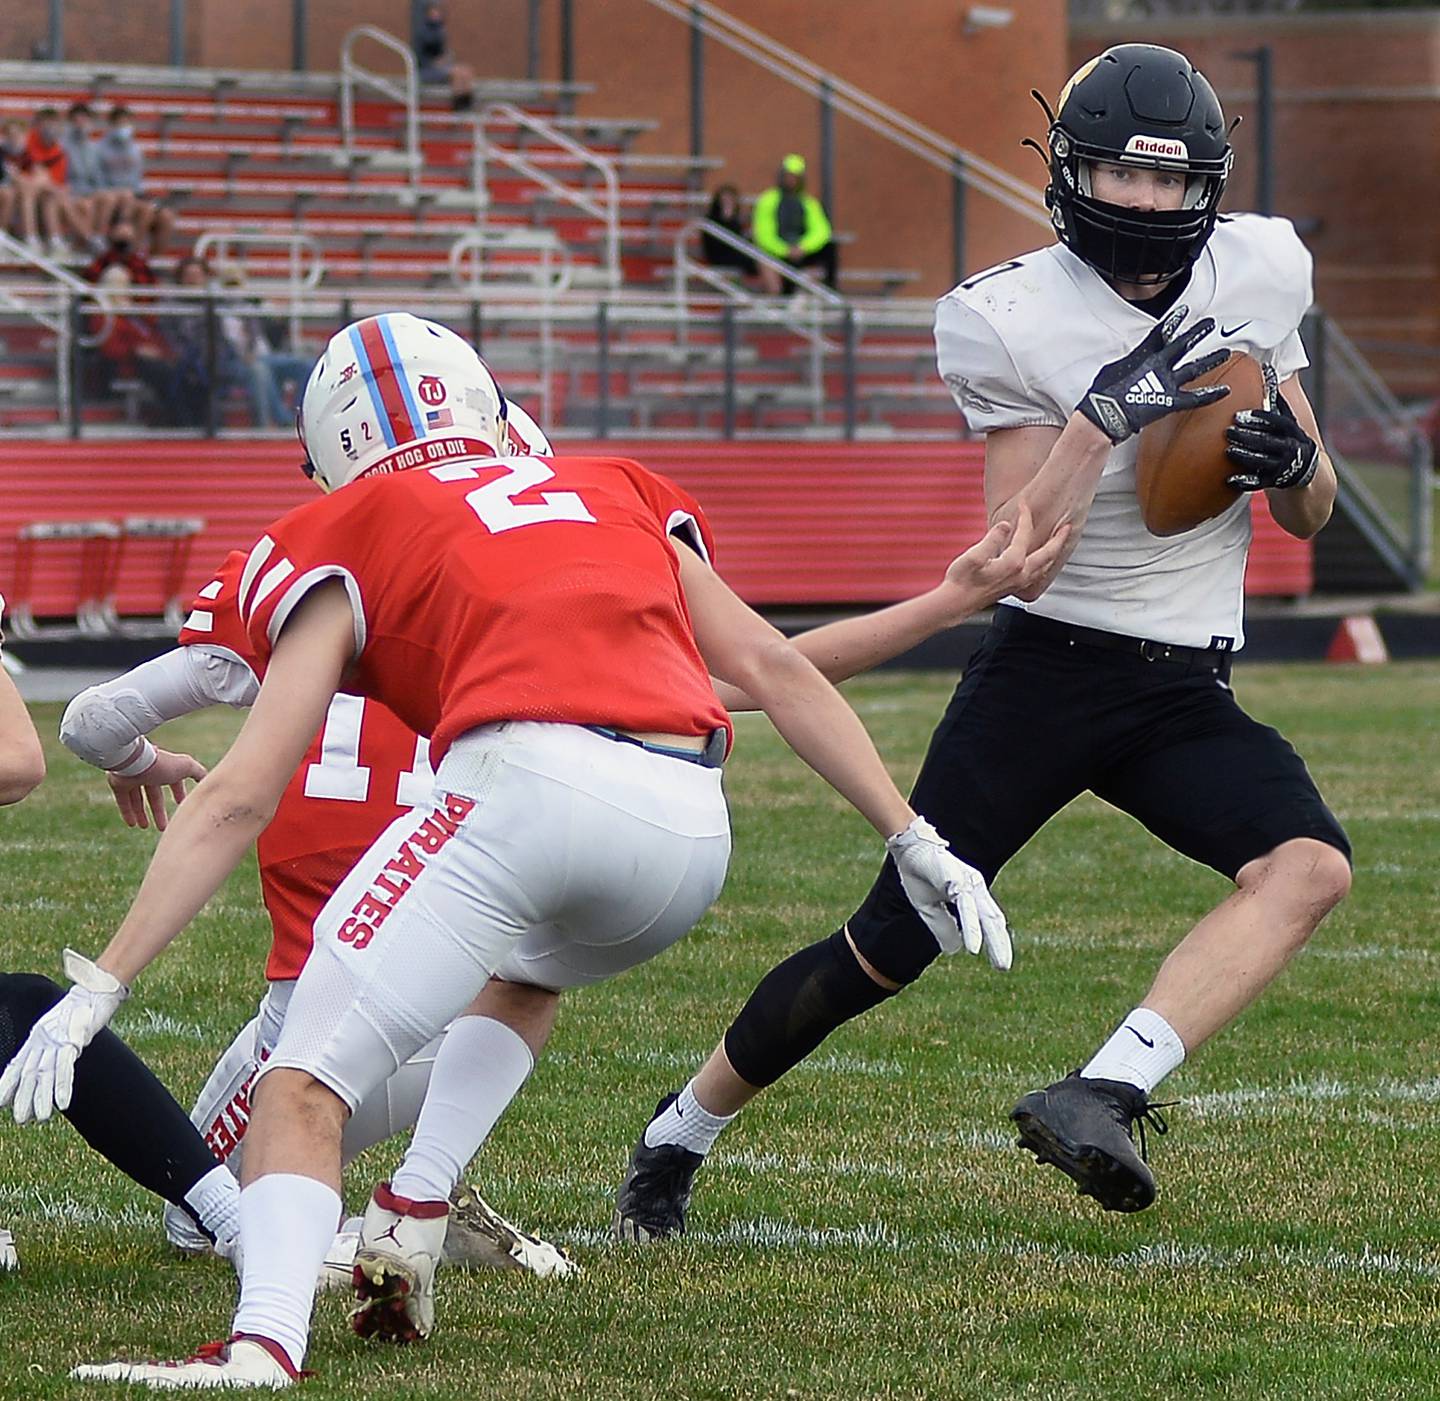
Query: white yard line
(766, 1233)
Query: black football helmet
(1137, 104)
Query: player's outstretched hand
(1007, 559)
(951, 897)
(1149, 382)
(168, 771)
(41, 1077)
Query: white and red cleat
(337, 1270)
(244, 1362)
(401, 1242)
(478, 1237)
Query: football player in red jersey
(552, 623)
(362, 770)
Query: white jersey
(1020, 344)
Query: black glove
(1270, 448)
(1146, 384)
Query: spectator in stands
(31, 202)
(92, 209)
(725, 211)
(122, 171)
(45, 155)
(262, 371)
(121, 250)
(12, 148)
(432, 53)
(132, 348)
(187, 332)
(790, 224)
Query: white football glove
(951, 897)
(41, 1078)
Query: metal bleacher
(261, 158)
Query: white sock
(215, 1199)
(287, 1223)
(686, 1124)
(1143, 1051)
(480, 1069)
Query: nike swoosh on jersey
(1234, 330)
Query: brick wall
(258, 33)
(1356, 142)
(973, 89)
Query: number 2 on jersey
(495, 502)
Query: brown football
(1180, 474)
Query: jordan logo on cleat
(389, 1232)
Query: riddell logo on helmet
(1157, 146)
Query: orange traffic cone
(1358, 639)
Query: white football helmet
(386, 385)
(527, 438)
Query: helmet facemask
(1140, 246)
(1146, 107)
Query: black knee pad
(890, 935)
(796, 1006)
(24, 999)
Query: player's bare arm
(108, 726)
(22, 761)
(1055, 472)
(740, 647)
(1281, 454)
(814, 719)
(1011, 556)
(211, 833)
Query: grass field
(866, 1229)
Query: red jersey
(39, 156)
(485, 589)
(362, 771)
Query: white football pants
(222, 1111)
(548, 854)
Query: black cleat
(1086, 1129)
(655, 1194)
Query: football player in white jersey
(22, 767)
(1112, 674)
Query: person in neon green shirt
(790, 224)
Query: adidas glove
(951, 897)
(1147, 385)
(42, 1076)
(1270, 447)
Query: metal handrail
(60, 325)
(1395, 422)
(56, 272)
(407, 95)
(804, 320)
(608, 211)
(298, 244)
(686, 266)
(879, 117)
(551, 280)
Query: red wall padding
(796, 523)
